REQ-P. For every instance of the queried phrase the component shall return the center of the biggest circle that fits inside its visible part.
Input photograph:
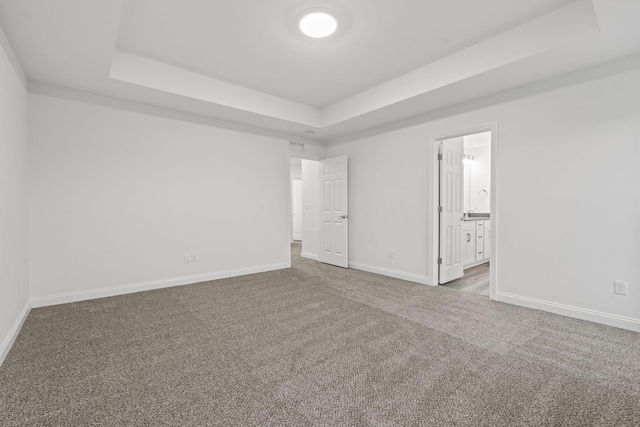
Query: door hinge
(440, 209)
(439, 156)
(439, 260)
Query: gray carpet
(316, 345)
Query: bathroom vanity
(476, 240)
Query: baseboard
(309, 255)
(410, 277)
(13, 332)
(68, 297)
(475, 264)
(570, 311)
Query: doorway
(304, 194)
(319, 209)
(464, 216)
(295, 165)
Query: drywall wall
(477, 179)
(118, 198)
(570, 147)
(296, 168)
(388, 175)
(14, 279)
(306, 150)
(296, 174)
(310, 208)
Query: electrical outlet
(391, 254)
(194, 257)
(619, 287)
(187, 258)
(260, 205)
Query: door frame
(434, 189)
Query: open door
(334, 216)
(451, 209)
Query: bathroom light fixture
(468, 159)
(318, 23)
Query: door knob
(344, 216)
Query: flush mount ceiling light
(318, 23)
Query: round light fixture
(318, 23)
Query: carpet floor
(316, 345)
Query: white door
(296, 197)
(451, 214)
(334, 216)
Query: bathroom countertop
(477, 218)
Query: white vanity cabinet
(476, 241)
(487, 239)
(468, 242)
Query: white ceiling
(255, 44)
(243, 61)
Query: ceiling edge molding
(542, 34)
(45, 89)
(6, 45)
(137, 70)
(621, 65)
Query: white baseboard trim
(309, 255)
(571, 311)
(475, 264)
(68, 297)
(410, 277)
(13, 332)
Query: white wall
(295, 171)
(14, 279)
(478, 178)
(570, 147)
(310, 208)
(296, 168)
(311, 151)
(117, 198)
(388, 175)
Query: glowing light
(318, 24)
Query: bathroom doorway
(464, 197)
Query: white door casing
(451, 204)
(334, 215)
(296, 196)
